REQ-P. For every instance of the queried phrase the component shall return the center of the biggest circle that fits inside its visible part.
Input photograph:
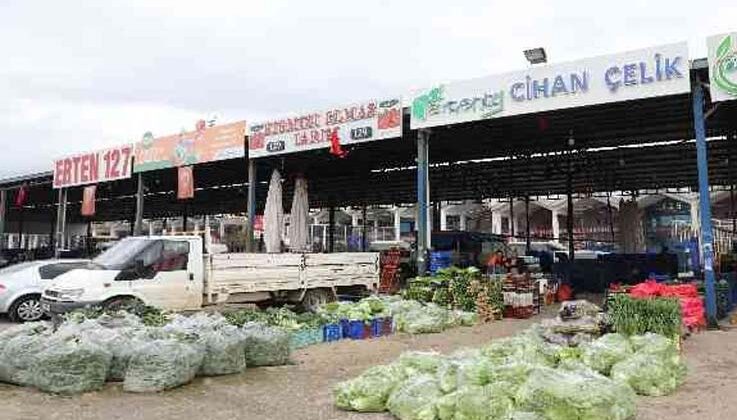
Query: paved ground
(303, 391)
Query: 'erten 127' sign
(91, 168)
(358, 123)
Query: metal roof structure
(635, 145)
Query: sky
(78, 76)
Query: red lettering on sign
(84, 166)
(75, 171)
(126, 152)
(67, 170)
(115, 163)
(58, 171)
(95, 167)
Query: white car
(21, 286)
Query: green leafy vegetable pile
(631, 316)
(523, 377)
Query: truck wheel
(316, 297)
(26, 309)
(119, 303)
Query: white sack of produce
(562, 395)
(20, 350)
(120, 342)
(490, 402)
(415, 399)
(224, 351)
(266, 346)
(223, 344)
(650, 375)
(196, 323)
(414, 362)
(162, 364)
(606, 351)
(370, 391)
(71, 366)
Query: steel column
(3, 204)
(331, 229)
(252, 182)
(364, 241)
(61, 221)
(528, 239)
(707, 236)
(423, 189)
(138, 224)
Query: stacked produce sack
(520, 377)
(82, 353)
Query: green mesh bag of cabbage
(369, 391)
(566, 395)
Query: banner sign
(358, 123)
(646, 73)
(91, 168)
(185, 182)
(88, 200)
(204, 144)
(722, 66)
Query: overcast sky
(81, 75)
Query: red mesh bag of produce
(647, 289)
(692, 309)
(681, 291)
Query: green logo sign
(428, 104)
(434, 102)
(724, 70)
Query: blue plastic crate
(307, 337)
(345, 328)
(376, 326)
(332, 332)
(357, 330)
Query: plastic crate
(304, 338)
(376, 325)
(358, 330)
(387, 326)
(367, 330)
(332, 332)
(345, 328)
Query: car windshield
(121, 255)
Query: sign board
(88, 201)
(646, 73)
(185, 182)
(722, 66)
(204, 144)
(91, 168)
(358, 123)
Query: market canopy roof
(635, 145)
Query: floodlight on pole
(536, 55)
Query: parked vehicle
(21, 286)
(176, 273)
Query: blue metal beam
(707, 236)
(423, 180)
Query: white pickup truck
(176, 273)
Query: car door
(165, 279)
